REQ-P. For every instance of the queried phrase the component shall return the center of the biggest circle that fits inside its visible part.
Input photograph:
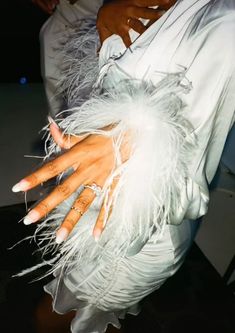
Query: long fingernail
(61, 235)
(52, 121)
(31, 217)
(96, 234)
(23, 185)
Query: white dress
(186, 60)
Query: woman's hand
(119, 16)
(92, 158)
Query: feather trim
(150, 182)
(80, 66)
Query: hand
(92, 159)
(47, 6)
(119, 16)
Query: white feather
(151, 181)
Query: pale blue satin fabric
(195, 36)
(191, 36)
(120, 283)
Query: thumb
(64, 141)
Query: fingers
(160, 3)
(79, 208)
(104, 214)
(133, 21)
(137, 25)
(144, 13)
(88, 151)
(96, 154)
(113, 17)
(58, 195)
(64, 141)
(49, 170)
(126, 39)
(167, 4)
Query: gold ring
(128, 21)
(77, 210)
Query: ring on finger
(95, 188)
(128, 21)
(77, 210)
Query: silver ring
(77, 210)
(95, 188)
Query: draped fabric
(196, 38)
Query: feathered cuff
(161, 143)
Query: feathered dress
(174, 89)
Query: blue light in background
(23, 80)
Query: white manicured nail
(23, 185)
(32, 217)
(52, 121)
(96, 234)
(61, 235)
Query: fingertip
(96, 234)
(32, 217)
(61, 235)
(57, 134)
(127, 40)
(52, 121)
(23, 185)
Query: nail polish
(52, 121)
(23, 185)
(61, 235)
(31, 217)
(96, 234)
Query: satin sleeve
(211, 105)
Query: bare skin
(119, 16)
(92, 157)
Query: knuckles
(83, 202)
(33, 179)
(64, 189)
(43, 208)
(52, 168)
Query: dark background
(196, 299)
(20, 25)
